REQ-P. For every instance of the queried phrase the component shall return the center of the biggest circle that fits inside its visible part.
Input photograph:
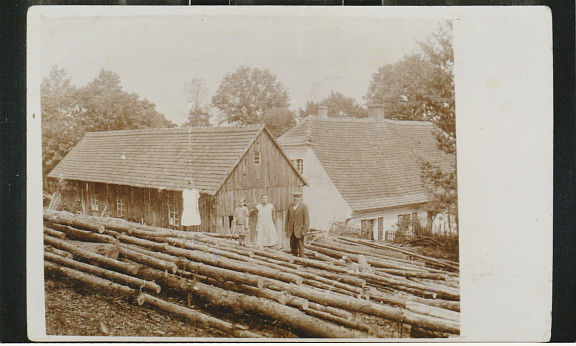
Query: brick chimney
(376, 111)
(323, 112)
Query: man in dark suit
(297, 224)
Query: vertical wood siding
(274, 176)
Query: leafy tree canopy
(69, 112)
(338, 106)
(245, 95)
(279, 120)
(421, 86)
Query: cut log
(231, 329)
(328, 288)
(330, 310)
(427, 259)
(89, 281)
(73, 220)
(338, 320)
(106, 250)
(91, 256)
(433, 311)
(444, 304)
(54, 233)
(50, 248)
(221, 274)
(147, 260)
(300, 323)
(74, 233)
(354, 304)
(107, 274)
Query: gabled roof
(160, 158)
(374, 164)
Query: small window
(173, 216)
(299, 163)
(257, 157)
(120, 206)
(94, 202)
(380, 224)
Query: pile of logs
(345, 288)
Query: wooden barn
(139, 175)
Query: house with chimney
(139, 175)
(365, 173)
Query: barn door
(283, 241)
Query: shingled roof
(374, 164)
(159, 158)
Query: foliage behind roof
(159, 158)
(373, 164)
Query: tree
(196, 92)
(421, 86)
(279, 120)
(60, 131)
(69, 112)
(342, 106)
(244, 96)
(105, 106)
(338, 106)
(312, 108)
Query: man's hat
(296, 193)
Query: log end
(101, 229)
(141, 298)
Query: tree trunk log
(433, 311)
(107, 274)
(72, 220)
(331, 310)
(95, 283)
(354, 304)
(231, 329)
(444, 304)
(338, 320)
(92, 256)
(54, 233)
(427, 259)
(147, 260)
(304, 325)
(50, 248)
(222, 274)
(106, 250)
(78, 234)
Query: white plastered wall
(390, 218)
(325, 203)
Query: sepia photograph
(247, 174)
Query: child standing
(240, 221)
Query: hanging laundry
(190, 214)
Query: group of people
(297, 223)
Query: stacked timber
(344, 288)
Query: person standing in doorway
(297, 224)
(265, 228)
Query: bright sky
(156, 55)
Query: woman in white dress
(265, 228)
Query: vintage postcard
(289, 173)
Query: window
(380, 224)
(120, 206)
(256, 157)
(173, 215)
(299, 163)
(94, 202)
(368, 228)
(403, 222)
(415, 222)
